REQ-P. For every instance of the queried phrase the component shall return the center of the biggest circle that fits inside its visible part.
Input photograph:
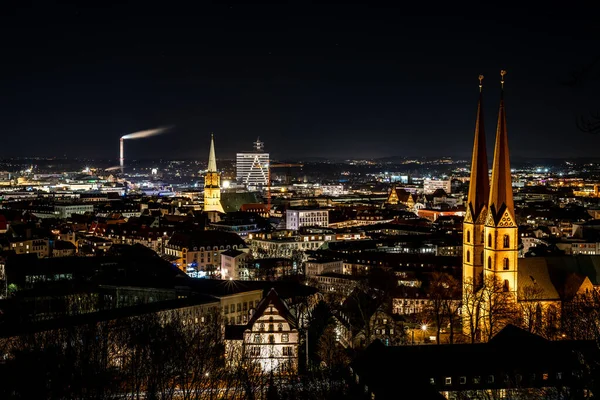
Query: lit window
(448, 380)
(285, 338)
(463, 380)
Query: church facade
(498, 287)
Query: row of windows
(240, 319)
(491, 379)
(286, 351)
(271, 326)
(285, 337)
(505, 261)
(505, 240)
(239, 307)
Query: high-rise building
(212, 185)
(252, 168)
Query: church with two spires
(491, 239)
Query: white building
(252, 168)
(333, 190)
(296, 219)
(431, 185)
(66, 210)
(318, 267)
(269, 341)
(232, 263)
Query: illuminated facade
(269, 342)
(296, 219)
(252, 169)
(212, 186)
(490, 232)
(431, 185)
(501, 231)
(476, 208)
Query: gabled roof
(206, 238)
(273, 298)
(232, 253)
(559, 277)
(511, 335)
(534, 272)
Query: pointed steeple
(479, 188)
(212, 160)
(501, 195)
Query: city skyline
(310, 81)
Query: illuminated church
(540, 287)
(212, 186)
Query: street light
(424, 329)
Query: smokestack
(121, 155)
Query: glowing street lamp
(424, 329)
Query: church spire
(501, 196)
(479, 188)
(212, 160)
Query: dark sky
(312, 80)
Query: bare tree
(472, 310)
(499, 307)
(443, 306)
(530, 308)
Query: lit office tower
(253, 167)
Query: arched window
(506, 241)
(489, 240)
(482, 237)
(489, 262)
(468, 236)
(505, 264)
(468, 256)
(506, 286)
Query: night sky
(310, 80)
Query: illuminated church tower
(479, 192)
(501, 231)
(212, 186)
